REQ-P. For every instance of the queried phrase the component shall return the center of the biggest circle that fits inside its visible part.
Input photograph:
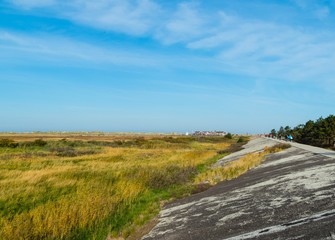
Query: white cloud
(131, 17)
(185, 24)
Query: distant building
(209, 133)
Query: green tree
(297, 132)
(318, 133)
(273, 132)
(329, 128)
(281, 132)
(287, 130)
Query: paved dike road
(290, 196)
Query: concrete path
(290, 196)
(322, 151)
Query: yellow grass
(90, 196)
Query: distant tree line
(320, 133)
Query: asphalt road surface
(290, 196)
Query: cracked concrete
(290, 196)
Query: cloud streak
(133, 17)
(130, 17)
(44, 46)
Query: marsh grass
(65, 189)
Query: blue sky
(163, 66)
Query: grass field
(89, 187)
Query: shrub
(8, 143)
(36, 143)
(40, 143)
(229, 136)
(242, 139)
(64, 151)
(169, 175)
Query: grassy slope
(236, 168)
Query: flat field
(90, 186)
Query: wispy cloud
(134, 17)
(232, 42)
(185, 24)
(270, 50)
(317, 9)
(43, 46)
(47, 49)
(130, 17)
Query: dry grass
(236, 168)
(47, 196)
